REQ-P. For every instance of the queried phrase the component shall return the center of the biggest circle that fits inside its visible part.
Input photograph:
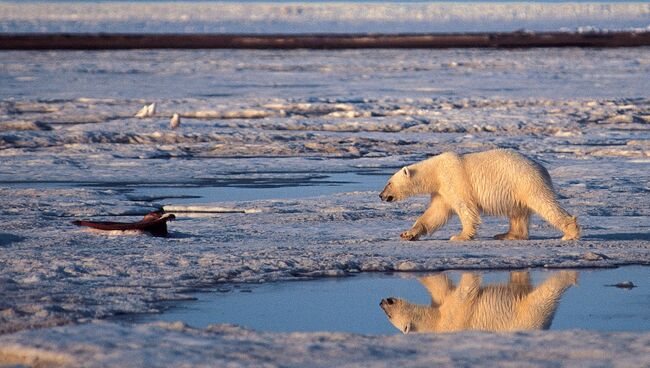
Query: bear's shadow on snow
(7, 239)
(618, 236)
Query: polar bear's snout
(387, 198)
(385, 194)
(387, 304)
(399, 313)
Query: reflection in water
(513, 306)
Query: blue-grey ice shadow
(179, 235)
(619, 236)
(7, 239)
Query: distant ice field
(233, 79)
(319, 17)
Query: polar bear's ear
(407, 328)
(406, 172)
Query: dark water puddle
(281, 186)
(351, 304)
(259, 189)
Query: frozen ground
(70, 149)
(297, 17)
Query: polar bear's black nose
(387, 198)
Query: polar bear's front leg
(433, 218)
(457, 193)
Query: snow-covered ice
(70, 148)
(104, 344)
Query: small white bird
(146, 111)
(175, 121)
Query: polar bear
(496, 182)
(515, 306)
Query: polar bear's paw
(409, 235)
(510, 236)
(461, 237)
(572, 230)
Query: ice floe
(78, 152)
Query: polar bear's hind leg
(518, 226)
(538, 308)
(547, 207)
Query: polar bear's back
(504, 181)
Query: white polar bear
(514, 306)
(496, 182)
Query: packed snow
(101, 344)
(71, 148)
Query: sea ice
(70, 148)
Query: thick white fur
(514, 306)
(496, 182)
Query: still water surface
(351, 304)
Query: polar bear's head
(399, 186)
(408, 317)
(397, 314)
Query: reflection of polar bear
(496, 182)
(514, 306)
